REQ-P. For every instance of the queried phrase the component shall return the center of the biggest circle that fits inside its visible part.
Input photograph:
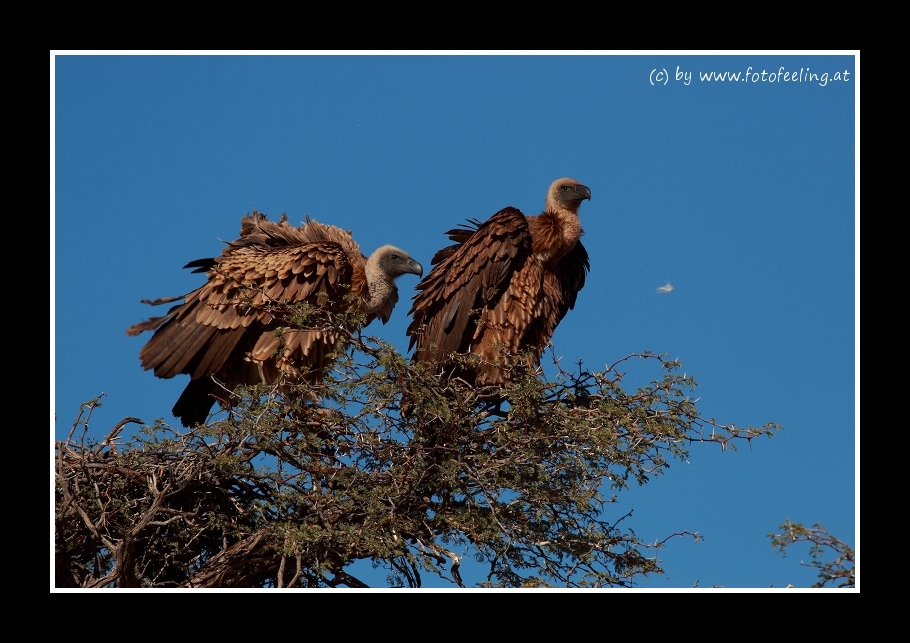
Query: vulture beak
(415, 268)
(584, 192)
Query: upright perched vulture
(503, 287)
(229, 332)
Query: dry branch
(399, 466)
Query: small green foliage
(840, 572)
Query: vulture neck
(555, 231)
(381, 288)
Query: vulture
(502, 288)
(229, 331)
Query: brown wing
(472, 282)
(227, 327)
(572, 271)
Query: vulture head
(393, 262)
(567, 194)
(383, 267)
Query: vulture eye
(395, 257)
(565, 188)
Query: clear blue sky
(741, 194)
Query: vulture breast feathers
(502, 288)
(229, 331)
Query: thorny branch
(397, 465)
(841, 571)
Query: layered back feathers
(231, 327)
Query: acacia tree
(397, 465)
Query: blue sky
(741, 194)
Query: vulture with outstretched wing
(502, 288)
(229, 331)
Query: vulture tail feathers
(196, 402)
